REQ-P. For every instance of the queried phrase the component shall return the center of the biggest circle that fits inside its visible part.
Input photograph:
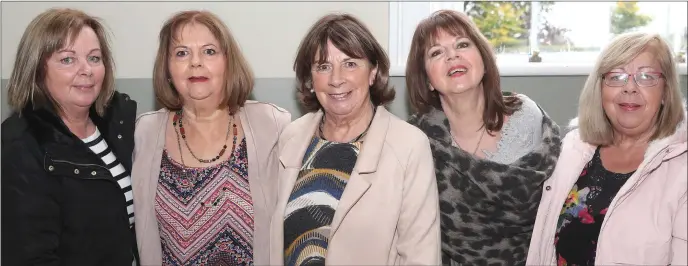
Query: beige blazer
(262, 123)
(389, 211)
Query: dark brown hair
(47, 33)
(417, 82)
(350, 36)
(238, 83)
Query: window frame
(396, 34)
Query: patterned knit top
(326, 169)
(205, 214)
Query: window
(546, 37)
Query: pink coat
(646, 221)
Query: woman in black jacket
(67, 149)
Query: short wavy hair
(47, 33)
(350, 36)
(593, 123)
(239, 80)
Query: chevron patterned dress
(314, 199)
(205, 216)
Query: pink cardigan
(646, 221)
(261, 122)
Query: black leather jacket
(60, 204)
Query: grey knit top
(520, 134)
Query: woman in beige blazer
(356, 184)
(205, 166)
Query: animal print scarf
(487, 209)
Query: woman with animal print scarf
(492, 150)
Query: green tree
(500, 22)
(507, 24)
(625, 17)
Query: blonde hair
(46, 34)
(238, 83)
(594, 126)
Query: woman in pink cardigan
(618, 192)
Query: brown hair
(350, 36)
(417, 82)
(47, 33)
(238, 85)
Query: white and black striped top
(98, 145)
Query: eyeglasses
(643, 79)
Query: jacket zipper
(551, 248)
(126, 213)
(549, 245)
(79, 164)
(618, 198)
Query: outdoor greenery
(625, 17)
(507, 24)
(500, 22)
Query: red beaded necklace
(177, 119)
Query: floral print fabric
(583, 212)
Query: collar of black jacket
(42, 132)
(47, 127)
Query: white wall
(268, 32)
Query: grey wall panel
(558, 95)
